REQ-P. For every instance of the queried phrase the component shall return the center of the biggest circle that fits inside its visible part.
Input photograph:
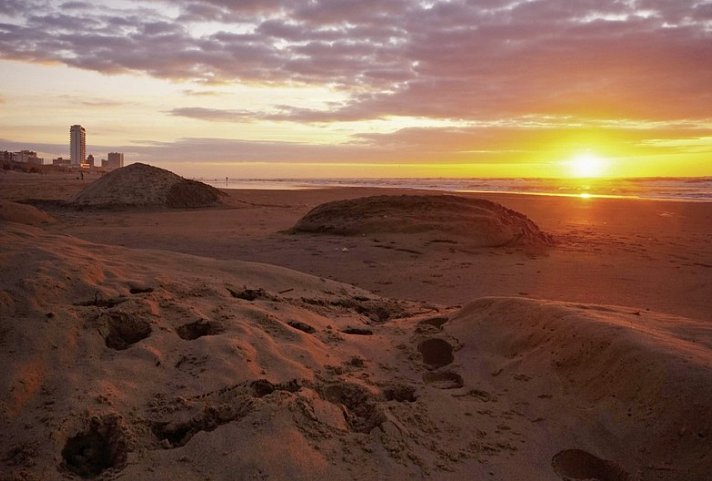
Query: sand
(148, 344)
(443, 218)
(23, 214)
(141, 185)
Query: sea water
(668, 188)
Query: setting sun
(587, 164)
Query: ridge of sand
(23, 214)
(154, 365)
(640, 380)
(142, 185)
(482, 222)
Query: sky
(364, 88)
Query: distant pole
(225, 181)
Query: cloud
(214, 115)
(454, 59)
(202, 93)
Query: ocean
(669, 188)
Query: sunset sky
(344, 88)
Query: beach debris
(99, 302)
(301, 326)
(248, 294)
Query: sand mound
(630, 389)
(143, 185)
(23, 214)
(481, 222)
(146, 363)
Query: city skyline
(346, 88)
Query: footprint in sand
(177, 434)
(576, 464)
(433, 324)
(443, 380)
(199, 328)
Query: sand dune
(154, 365)
(481, 222)
(143, 185)
(23, 214)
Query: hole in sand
(436, 352)
(101, 447)
(199, 328)
(444, 380)
(358, 331)
(573, 464)
(362, 413)
(140, 290)
(125, 330)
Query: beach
(259, 350)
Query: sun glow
(587, 164)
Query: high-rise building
(77, 144)
(115, 161)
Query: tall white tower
(77, 144)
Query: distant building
(116, 160)
(104, 163)
(28, 157)
(77, 144)
(5, 156)
(61, 161)
(90, 160)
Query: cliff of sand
(480, 222)
(141, 185)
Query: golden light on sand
(587, 164)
